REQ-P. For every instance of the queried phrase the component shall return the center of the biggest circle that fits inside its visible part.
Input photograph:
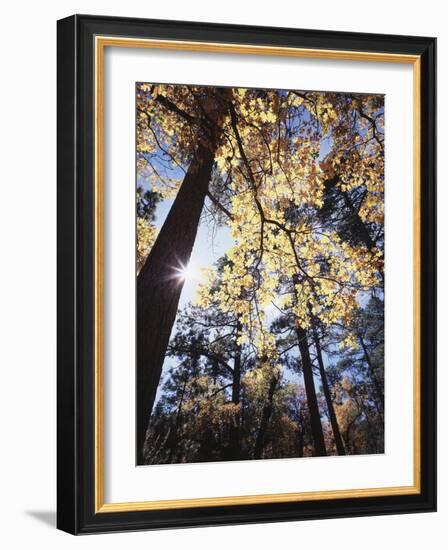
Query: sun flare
(260, 311)
(187, 273)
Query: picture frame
(82, 43)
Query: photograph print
(260, 273)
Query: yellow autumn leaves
(275, 161)
(146, 236)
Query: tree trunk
(366, 239)
(265, 418)
(234, 436)
(316, 425)
(300, 437)
(379, 394)
(358, 223)
(159, 285)
(174, 443)
(333, 420)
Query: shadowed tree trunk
(333, 420)
(348, 445)
(358, 227)
(313, 408)
(300, 438)
(174, 443)
(158, 287)
(378, 391)
(265, 417)
(234, 437)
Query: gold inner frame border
(100, 43)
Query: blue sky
(210, 245)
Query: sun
(187, 273)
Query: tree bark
(313, 408)
(159, 285)
(379, 395)
(174, 443)
(234, 436)
(366, 238)
(356, 222)
(265, 418)
(323, 375)
(300, 437)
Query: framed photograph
(246, 274)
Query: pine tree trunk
(158, 284)
(358, 223)
(313, 408)
(300, 438)
(174, 442)
(265, 418)
(379, 394)
(333, 420)
(362, 228)
(234, 436)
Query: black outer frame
(75, 310)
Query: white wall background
(28, 273)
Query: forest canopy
(273, 346)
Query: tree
(366, 351)
(327, 392)
(212, 339)
(147, 201)
(297, 178)
(158, 290)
